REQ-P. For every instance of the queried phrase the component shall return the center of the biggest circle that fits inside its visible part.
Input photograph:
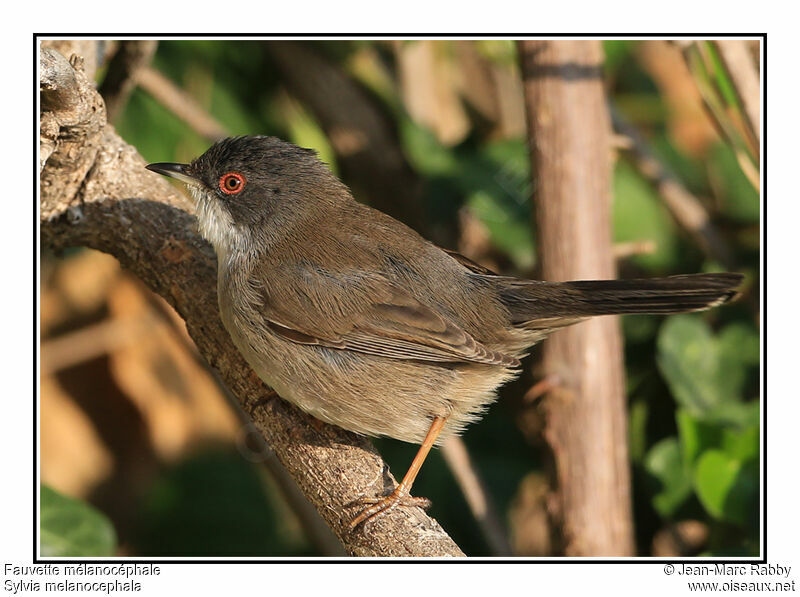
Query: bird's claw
(380, 506)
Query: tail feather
(530, 301)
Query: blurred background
(143, 454)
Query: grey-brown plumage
(361, 322)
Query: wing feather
(387, 321)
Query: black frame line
(115, 561)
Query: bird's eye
(231, 183)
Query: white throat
(217, 227)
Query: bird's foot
(380, 506)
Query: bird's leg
(401, 496)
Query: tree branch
(96, 193)
(569, 136)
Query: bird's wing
(475, 268)
(366, 313)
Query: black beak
(179, 171)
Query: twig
(478, 498)
(123, 210)
(684, 207)
(180, 103)
(633, 248)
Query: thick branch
(96, 193)
(585, 412)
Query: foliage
(715, 455)
(72, 528)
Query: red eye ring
(232, 183)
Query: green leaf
(696, 435)
(739, 199)
(664, 462)
(616, 52)
(707, 374)
(426, 155)
(727, 487)
(305, 132)
(744, 443)
(687, 357)
(639, 215)
(738, 352)
(715, 475)
(72, 528)
(509, 234)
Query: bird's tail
(528, 301)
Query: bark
(585, 416)
(96, 193)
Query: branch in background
(366, 144)
(120, 80)
(585, 413)
(91, 342)
(741, 69)
(478, 498)
(96, 193)
(180, 103)
(633, 248)
(684, 207)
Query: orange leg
(401, 495)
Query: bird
(361, 322)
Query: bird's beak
(179, 171)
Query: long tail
(529, 301)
